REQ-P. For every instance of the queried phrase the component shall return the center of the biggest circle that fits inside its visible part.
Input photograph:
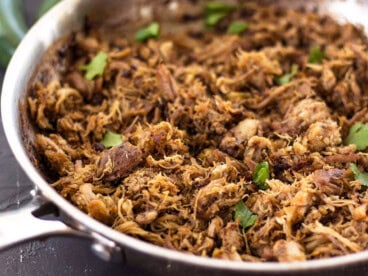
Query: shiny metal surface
(68, 16)
(38, 219)
(20, 225)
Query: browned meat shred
(118, 161)
(199, 108)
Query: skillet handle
(41, 219)
(20, 225)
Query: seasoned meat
(166, 83)
(216, 196)
(303, 114)
(231, 236)
(233, 143)
(215, 227)
(118, 162)
(230, 146)
(288, 251)
(59, 160)
(322, 134)
(329, 181)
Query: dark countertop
(59, 255)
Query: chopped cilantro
(111, 139)
(237, 27)
(316, 55)
(96, 67)
(151, 31)
(215, 11)
(285, 79)
(361, 176)
(261, 174)
(358, 135)
(212, 20)
(245, 217)
(215, 7)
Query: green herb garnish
(111, 139)
(358, 135)
(237, 27)
(316, 55)
(214, 7)
(245, 217)
(151, 31)
(285, 79)
(215, 11)
(261, 174)
(213, 19)
(361, 176)
(96, 67)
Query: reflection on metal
(107, 250)
(20, 225)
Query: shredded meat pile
(198, 109)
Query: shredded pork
(198, 110)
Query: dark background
(60, 255)
(54, 256)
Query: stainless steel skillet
(23, 224)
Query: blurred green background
(14, 23)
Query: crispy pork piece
(303, 114)
(234, 142)
(322, 134)
(216, 196)
(288, 251)
(329, 181)
(57, 157)
(231, 236)
(118, 161)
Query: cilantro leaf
(216, 11)
(316, 55)
(285, 79)
(111, 139)
(213, 19)
(361, 176)
(96, 67)
(358, 135)
(215, 7)
(151, 31)
(261, 174)
(237, 27)
(245, 217)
